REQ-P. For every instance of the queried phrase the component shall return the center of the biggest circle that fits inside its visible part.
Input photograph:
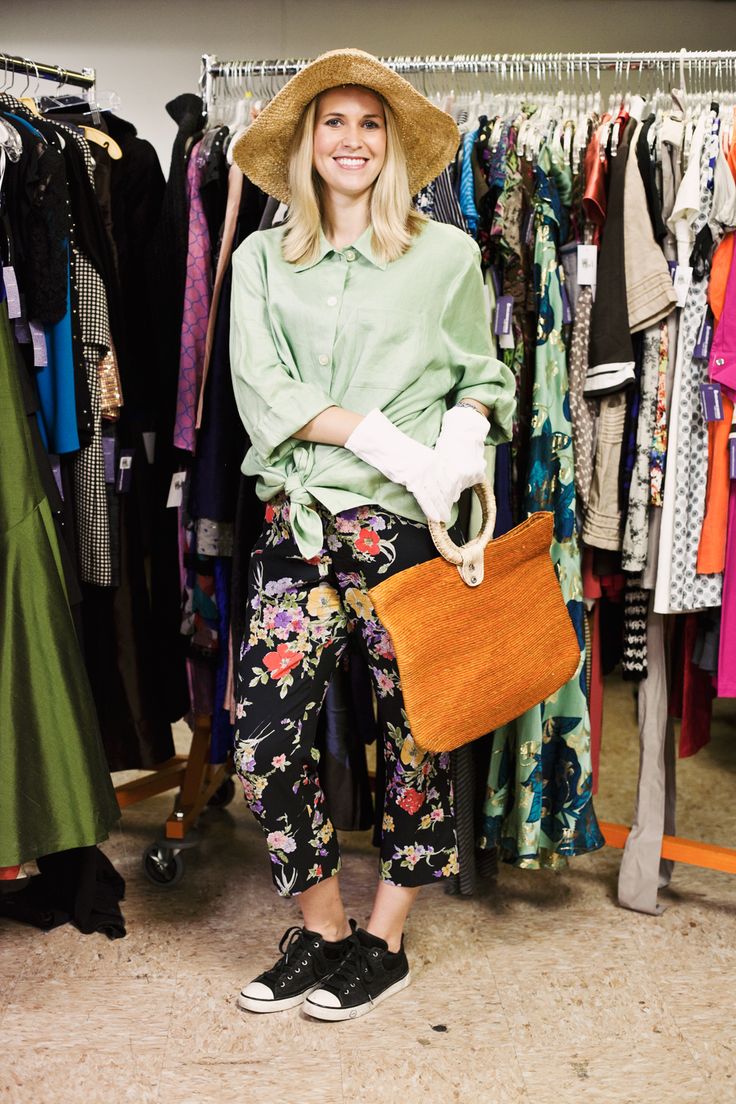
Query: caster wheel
(224, 795)
(162, 866)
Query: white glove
(403, 460)
(461, 446)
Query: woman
(354, 327)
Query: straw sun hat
(429, 137)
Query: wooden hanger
(92, 134)
(30, 104)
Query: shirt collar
(363, 246)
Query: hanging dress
(55, 788)
(539, 799)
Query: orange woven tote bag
(480, 642)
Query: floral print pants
(300, 615)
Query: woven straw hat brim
(428, 135)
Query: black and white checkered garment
(93, 523)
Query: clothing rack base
(692, 852)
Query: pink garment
(723, 368)
(197, 295)
(727, 647)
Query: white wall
(148, 50)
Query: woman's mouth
(351, 163)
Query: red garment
(596, 167)
(692, 692)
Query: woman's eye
(329, 122)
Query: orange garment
(712, 546)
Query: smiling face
(349, 139)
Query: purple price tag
(22, 333)
(732, 457)
(504, 314)
(705, 337)
(56, 471)
(108, 451)
(566, 308)
(11, 292)
(712, 402)
(672, 265)
(40, 352)
(125, 471)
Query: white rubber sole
(322, 1012)
(255, 1004)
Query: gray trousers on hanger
(643, 872)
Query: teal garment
(409, 337)
(539, 803)
(55, 787)
(55, 381)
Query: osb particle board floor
(548, 990)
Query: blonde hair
(393, 218)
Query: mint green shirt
(410, 337)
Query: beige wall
(148, 50)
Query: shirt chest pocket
(390, 347)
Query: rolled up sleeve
(272, 401)
(466, 333)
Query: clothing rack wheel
(200, 784)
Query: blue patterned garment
(467, 184)
(538, 807)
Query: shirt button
(332, 301)
(324, 359)
(350, 255)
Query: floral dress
(539, 798)
(301, 612)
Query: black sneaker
(306, 958)
(368, 974)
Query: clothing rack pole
(675, 848)
(474, 64)
(84, 78)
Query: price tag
(682, 280)
(566, 308)
(176, 490)
(11, 292)
(40, 352)
(504, 315)
(587, 265)
(705, 339)
(732, 456)
(125, 471)
(56, 472)
(712, 402)
(108, 453)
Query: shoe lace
(293, 942)
(358, 966)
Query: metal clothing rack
(681, 65)
(81, 78)
(502, 66)
(199, 782)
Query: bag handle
(468, 558)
